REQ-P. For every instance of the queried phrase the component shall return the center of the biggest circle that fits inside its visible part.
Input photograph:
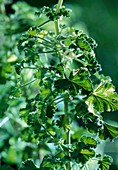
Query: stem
(57, 27)
(44, 40)
(68, 136)
(47, 45)
(60, 101)
(60, 97)
(57, 22)
(28, 83)
(30, 68)
(43, 23)
(47, 130)
(47, 52)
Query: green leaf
(103, 98)
(33, 121)
(105, 162)
(32, 31)
(83, 44)
(109, 131)
(5, 72)
(29, 165)
(92, 63)
(59, 68)
(82, 79)
(88, 153)
(62, 84)
(40, 74)
(44, 92)
(50, 111)
(89, 141)
(81, 108)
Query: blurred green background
(99, 19)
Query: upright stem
(57, 22)
(68, 136)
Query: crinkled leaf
(103, 98)
(29, 165)
(50, 111)
(89, 141)
(83, 44)
(88, 153)
(82, 79)
(105, 162)
(44, 92)
(92, 63)
(109, 131)
(34, 123)
(32, 31)
(81, 108)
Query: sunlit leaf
(88, 153)
(105, 162)
(32, 31)
(89, 141)
(41, 35)
(103, 98)
(109, 131)
(12, 58)
(44, 92)
(82, 79)
(83, 44)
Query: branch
(60, 2)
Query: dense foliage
(58, 122)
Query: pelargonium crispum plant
(71, 95)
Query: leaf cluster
(69, 90)
(52, 14)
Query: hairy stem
(60, 2)
(68, 137)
